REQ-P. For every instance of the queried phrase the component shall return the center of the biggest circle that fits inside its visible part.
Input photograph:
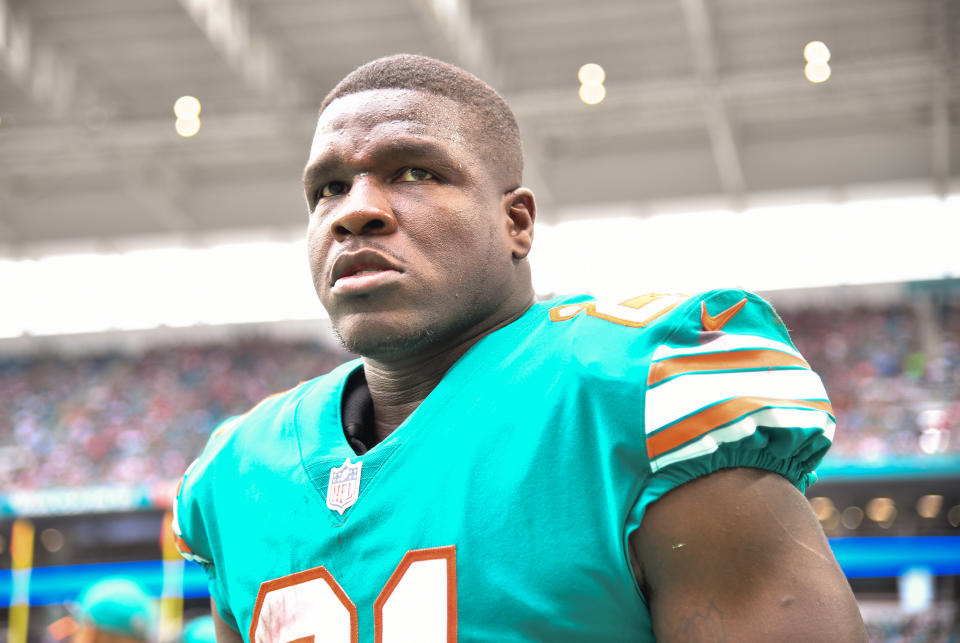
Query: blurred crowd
(893, 377)
(121, 419)
(932, 626)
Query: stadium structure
(153, 280)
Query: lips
(361, 265)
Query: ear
(521, 210)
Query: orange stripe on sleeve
(727, 360)
(717, 415)
(182, 545)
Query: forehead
(372, 116)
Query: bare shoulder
(738, 555)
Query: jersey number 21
(418, 603)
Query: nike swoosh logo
(711, 322)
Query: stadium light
(52, 540)
(187, 126)
(929, 506)
(882, 511)
(953, 516)
(591, 74)
(591, 77)
(817, 72)
(851, 517)
(186, 106)
(823, 507)
(816, 52)
(592, 94)
(187, 110)
(817, 56)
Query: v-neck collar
(318, 422)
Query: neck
(399, 387)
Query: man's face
(409, 238)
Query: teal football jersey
(500, 510)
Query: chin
(383, 344)
(400, 333)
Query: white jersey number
(418, 603)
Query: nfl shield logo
(344, 486)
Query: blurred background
(153, 277)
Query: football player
(495, 468)
(115, 610)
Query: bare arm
(225, 633)
(738, 555)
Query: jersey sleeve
(727, 388)
(191, 531)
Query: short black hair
(493, 119)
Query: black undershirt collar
(356, 412)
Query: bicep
(225, 633)
(738, 555)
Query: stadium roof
(706, 103)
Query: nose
(365, 210)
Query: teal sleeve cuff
(792, 453)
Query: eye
(415, 174)
(333, 188)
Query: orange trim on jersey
(302, 577)
(642, 300)
(181, 544)
(629, 323)
(717, 415)
(557, 316)
(222, 428)
(590, 307)
(711, 322)
(448, 553)
(231, 423)
(727, 360)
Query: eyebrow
(412, 148)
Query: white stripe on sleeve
(691, 392)
(725, 342)
(775, 417)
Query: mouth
(363, 270)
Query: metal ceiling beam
(159, 193)
(8, 214)
(464, 34)
(899, 76)
(151, 181)
(781, 90)
(940, 125)
(44, 73)
(722, 138)
(51, 80)
(467, 37)
(28, 150)
(231, 29)
(534, 176)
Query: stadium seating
(125, 419)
